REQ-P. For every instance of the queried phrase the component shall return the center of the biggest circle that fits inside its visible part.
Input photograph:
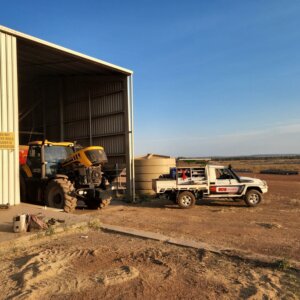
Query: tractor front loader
(60, 175)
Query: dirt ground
(92, 264)
(73, 267)
(272, 228)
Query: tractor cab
(44, 158)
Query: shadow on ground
(164, 203)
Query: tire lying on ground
(253, 198)
(58, 194)
(186, 199)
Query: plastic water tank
(150, 167)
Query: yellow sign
(7, 140)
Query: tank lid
(153, 156)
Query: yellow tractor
(62, 175)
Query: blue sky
(210, 77)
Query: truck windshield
(96, 156)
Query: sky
(210, 77)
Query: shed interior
(64, 97)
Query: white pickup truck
(185, 185)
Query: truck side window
(223, 174)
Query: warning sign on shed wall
(7, 140)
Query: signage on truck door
(225, 189)
(7, 140)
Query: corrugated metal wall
(94, 113)
(78, 109)
(9, 159)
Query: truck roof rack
(192, 161)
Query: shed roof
(50, 57)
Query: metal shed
(50, 92)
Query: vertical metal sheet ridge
(16, 119)
(9, 159)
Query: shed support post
(130, 180)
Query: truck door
(225, 182)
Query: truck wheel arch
(256, 188)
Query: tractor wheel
(58, 194)
(253, 198)
(186, 199)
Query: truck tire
(58, 194)
(186, 199)
(253, 198)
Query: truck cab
(224, 181)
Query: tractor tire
(58, 194)
(186, 199)
(253, 198)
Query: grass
(94, 224)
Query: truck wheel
(186, 199)
(58, 194)
(253, 198)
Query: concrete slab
(6, 219)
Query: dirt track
(272, 228)
(68, 267)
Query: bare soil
(92, 264)
(69, 267)
(271, 228)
